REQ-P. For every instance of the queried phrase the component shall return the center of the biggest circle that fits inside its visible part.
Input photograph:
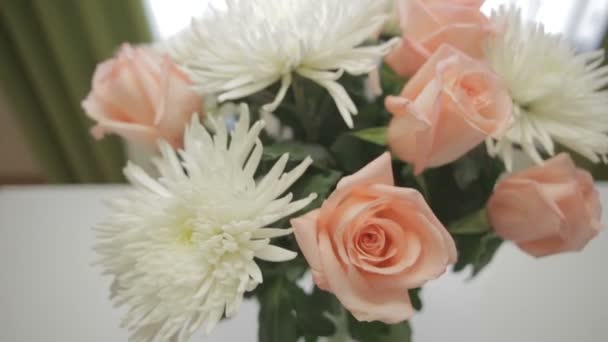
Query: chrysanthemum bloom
(247, 46)
(182, 247)
(558, 94)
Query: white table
(49, 292)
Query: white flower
(182, 247)
(557, 93)
(247, 46)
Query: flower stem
(304, 112)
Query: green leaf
(449, 200)
(298, 152)
(401, 332)
(352, 153)
(283, 301)
(409, 179)
(489, 246)
(378, 331)
(468, 247)
(310, 317)
(325, 301)
(367, 331)
(276, 320)
(415, 298)
(475, 223)
(375, 135)
(476, 251)
(321, 182)
(391, 82)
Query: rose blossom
(372, 241)
(141, 96)
(427, 24)
(547, 209)
(452, 104)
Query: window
(584, 21)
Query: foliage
(288, 313)
(476, 251)
(457, 193)
(458, 196)
(462, 187)
(376, 135)
(378, 331)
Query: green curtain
(48, 53)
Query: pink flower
(450, 106)
(372, 241)
(547, 209)
(141, 96)
(427, 24)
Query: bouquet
(369, 145)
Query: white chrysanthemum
(246, 46)
(182, 247)
(558, 94)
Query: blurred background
(49, 49)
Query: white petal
(559, 96)
(214, 318)
(273, 39)
(285, 83)
(268, 233)
(275, 254)
(254, 272)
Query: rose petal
(124, 91)
(366, 303)
(426, 25)
(406, 246)
(305, 232)
(178, 103)
(417, 201)
(351, 214)
(467, 38)
(434, 257)
(142, 97)
(379, 171)
(555, 170)
(436, 121)
(547, 209)
(136, 132)
(407, 57)
(411, 132)
(511, 217)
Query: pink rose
(547, 209)
(427, 24)
(141, 96)
(372, 241)
(450, 106)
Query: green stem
(306, 115)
